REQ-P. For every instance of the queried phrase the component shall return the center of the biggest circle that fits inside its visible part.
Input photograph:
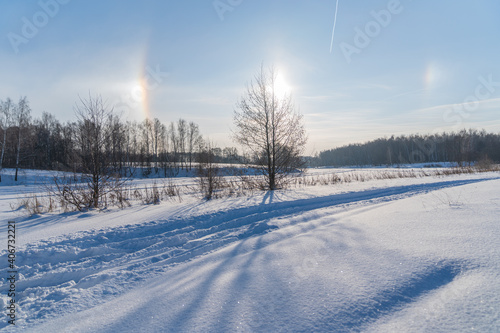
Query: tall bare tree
(182, 130)
(147, 134)
(268, 125)
(194, 137)
(164, 146)
(21, 120)
(6, 110)
(47, 126)
(156, 131)
(174, 140)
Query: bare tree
(182, 129)
(157, 130)
(6, 110)
(268, 125)
(47, 125)
(21, 119)
(132, 146)
(193, 138)
(174, 140)
(92, 136)
(147, 139)
(164, 146)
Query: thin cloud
(480, 104)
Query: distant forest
(464, 147)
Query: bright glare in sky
(281, 86)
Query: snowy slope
(395, 255)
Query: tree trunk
(3, 151)
(18, 152)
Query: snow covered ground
(398, 255)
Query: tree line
(465, 146)
(123, 146)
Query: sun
(281, 86)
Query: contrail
(334, 23)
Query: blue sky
(396, 67)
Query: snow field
(392, 255)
